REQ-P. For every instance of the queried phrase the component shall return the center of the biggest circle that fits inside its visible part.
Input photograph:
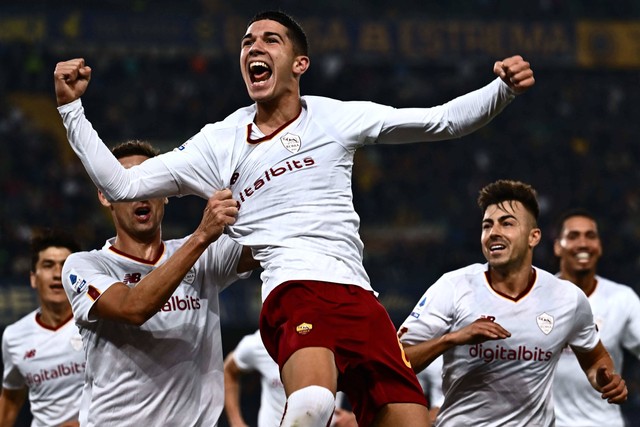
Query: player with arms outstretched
(288, 160)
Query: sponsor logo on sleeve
(418, 309)
(78, 284)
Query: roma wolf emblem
(291, 142)
(545, 323)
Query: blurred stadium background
(163, 69)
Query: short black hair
(505, 190)
(45, 238)
(294, 30)
(570, 213)
(134, 148)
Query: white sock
(311, 406)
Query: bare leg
(402, 414)
(310, 366)
(310, 380)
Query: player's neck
(511, 282)
(272, 115)
(587, 282)
(147, 249)
(55, 315)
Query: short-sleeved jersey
(294, 185)
(250, 355)
(50, 362)
(616, 309)
(431, 381)
(168, 371)
(502, 382)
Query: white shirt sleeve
(631, 333)
(585, 335)
(245, 353)
(81, 278)
(458, 117)
(12, 379)
(151, 179)
(432, 316)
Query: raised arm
(151, 180)
(137, 304)
(598, 366)
(464, 114)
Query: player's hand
(479, 331)
(221, 210)
(74, 423)
(515, 72)
(612, 386)
(71, 79)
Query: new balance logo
(131, 278)
(30, 354)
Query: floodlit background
(162, 69)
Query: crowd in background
(574, 137)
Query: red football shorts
(348, 320)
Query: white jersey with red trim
(251, 355)
(616, 309)
(169, 371)
(50, 362)
(430, 379)
(294, 185)
(502, 382)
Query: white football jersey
(430, 379)
(50, 362)
(616, 309)
(502, 382)
(169, 370)
(294, 185)
(250, 355)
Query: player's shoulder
(82, 258)
(20, 327)
(252, 341)
(615, 289)
(554, 283)
(331, 105)
(465, 273)
(239, 118)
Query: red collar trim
(532, 280)
(272, 134)
(52, 328)
(140, 260)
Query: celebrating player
(502, 326)
(148, 312)
(42, 352)
(288, 160)
(616, 309)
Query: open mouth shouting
(142, 213)
(259, 73)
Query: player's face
(143, 219)
(578, 246)
(508, 235)
(270, 68)
(46, 278)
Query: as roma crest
(545, 323)
(291, 142)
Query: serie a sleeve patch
(78, 284)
